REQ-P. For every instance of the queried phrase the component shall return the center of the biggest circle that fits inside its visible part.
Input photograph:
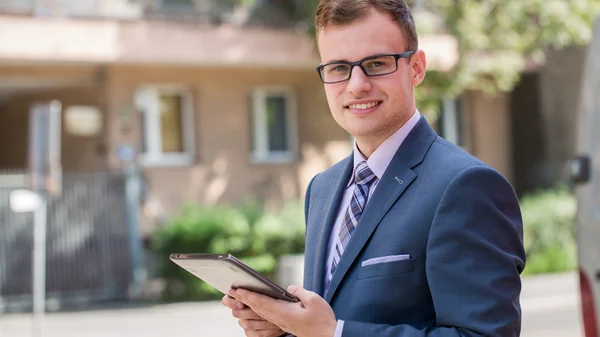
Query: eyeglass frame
(406, 54)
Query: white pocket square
(384, 259)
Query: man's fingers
(252, 324)
(246, 314)
(263, 333)
(254, 299)
(232, 303)
(265, 306)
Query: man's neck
(368, 144)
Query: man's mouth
(363, 106)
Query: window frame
(151, 126)
(259, 151)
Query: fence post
(133, 191)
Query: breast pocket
(386, 268)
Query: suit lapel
(397, 177)
(330, 211)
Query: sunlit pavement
(550, 309)
(551, 306)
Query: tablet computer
(224, 272)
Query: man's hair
(344, 12)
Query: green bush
(549, 224)
(282, 232)
(248, 232)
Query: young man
(419, 238)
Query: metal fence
(88, 250)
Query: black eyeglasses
(376, 65)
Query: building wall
(560, 84)
(491, 130)
(223, 172)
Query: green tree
(496, 37)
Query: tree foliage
(497, 38)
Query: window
(273, 125)
(453, 122)
(167, 125)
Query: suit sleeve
(474, 258)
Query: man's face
(370, 108)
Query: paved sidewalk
(550, 309)
(168, 320)
(551, 306)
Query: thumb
(293, 289)
(303, 294)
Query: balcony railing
(197, 10)
(284, 14)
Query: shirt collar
(382, 156)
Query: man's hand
(253, 324)
(312, 317)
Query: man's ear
(418, 64)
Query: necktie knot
(363, 175)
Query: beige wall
(490, 130)
(223, 172)
(57, 39)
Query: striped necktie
(363, 179)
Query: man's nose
(359, 83)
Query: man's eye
(375, 64)
(339, 68)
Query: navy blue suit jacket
(457, 218)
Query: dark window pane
(277, 123)
(171, 123)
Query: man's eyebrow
(337, 61)
(362, 59)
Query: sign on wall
(83, 120)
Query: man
(410, 235)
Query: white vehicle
(586, 177)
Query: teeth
(363, 106)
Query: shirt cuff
(339, 328)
